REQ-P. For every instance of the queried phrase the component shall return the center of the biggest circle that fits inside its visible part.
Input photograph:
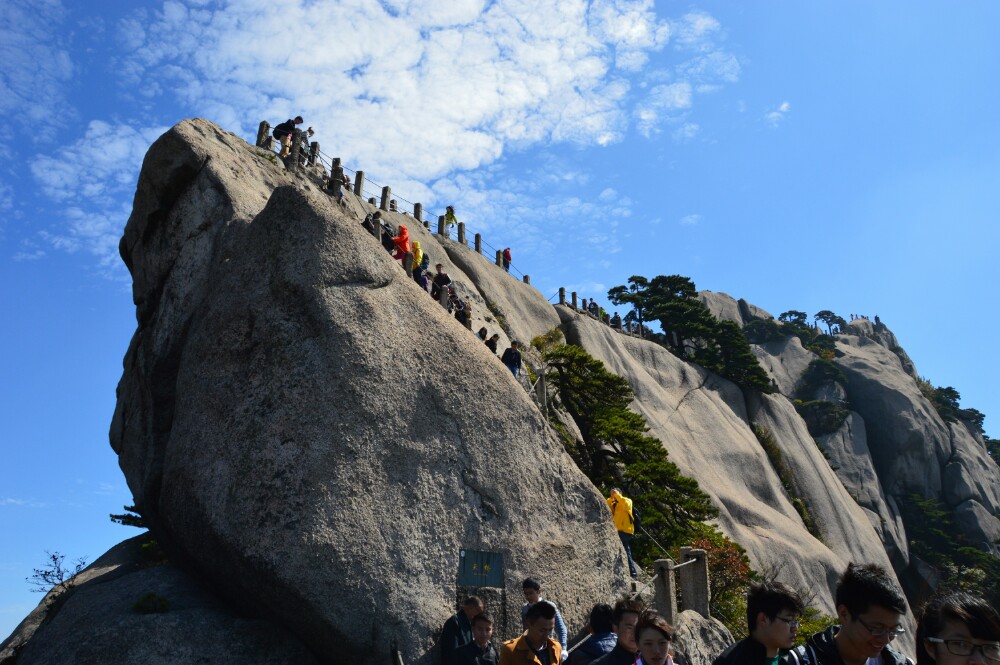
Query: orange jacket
(517, 652)
(402, 241)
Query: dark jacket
(593, 648)
(751, 652)
(617, 656)
(820, 649)
(284, 128)
(471, 654)
(457, 632)
(511, 358)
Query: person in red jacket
(401, 243)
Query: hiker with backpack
(625, 521)
(283, 133)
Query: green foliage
(812, 622)
(690, 330)
(777, 460)
(795, 324)
(548, 341)
(761, 331)
(993, 448)
(131, 517)
(729, 580)
(830, 319)
(821, 416)
(935, 539)
(55, 575)
(945, 402)
(819, 373)
(152, 553)
(151, 603)
(616, 451)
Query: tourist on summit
(616, 321)
(624, 620)
(958, 628)
(624, 519)
(283, 132)
(512, 359)
(773, 612)
(870, 606)
(534, 646)
(401, 243)
(602, 637)
(653, 636)
(441, 281)
(418, 258)
(480, 651)
(491, 343)
(305, 149)
(506, 259)
(449, 220)
(457, 630)
(532, 591)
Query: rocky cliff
(313, 440)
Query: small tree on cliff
(830, 319)
(616, 450)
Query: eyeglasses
(792, 623)
(891, 633)
(966, 648)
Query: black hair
(651, 619)
(771, 598)
(482, 616)
(473, 601)
(981, 619)
(543, 609)
(862, 586)
(531, 583)
(601, 618)
(626, 606)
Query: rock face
(124, 610)
(308, 429)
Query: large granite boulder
(125, 610)
(307, 429)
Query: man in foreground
(480, 651)
(773, 612)
(624, 619)
(870, 606)
(534, 647)
(457, 630)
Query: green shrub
(822, 417)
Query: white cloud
(775, 116)
(691, 220)
(36, 70)
(686, 132)
(663, 103)
(21, 503)
(695, 31)
(443, 86)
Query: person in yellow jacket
(621, 513)
(534, 646)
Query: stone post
(540, 394)
(479, 244)
(392, 206)
(583, 305)
(384, 204)
(313, 153)
(372, 201)
(441, 226)
(573, 294)
(408, 263)
(264, 134)
(443, 297)
(468, 316)
(427, 225)
(293, 156)
(562, 295)
(500, 258)
(694, 580)
(527, 279)
(665, 589)
(418, 212)
(359, 183)
(461, 233)
(336, 181)
(377, 231)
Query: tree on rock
(830, 319)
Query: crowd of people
(398, 243)
(954, 628)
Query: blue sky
(822, 155)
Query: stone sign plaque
(480, 569)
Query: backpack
(636, 519)
(426, 263)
